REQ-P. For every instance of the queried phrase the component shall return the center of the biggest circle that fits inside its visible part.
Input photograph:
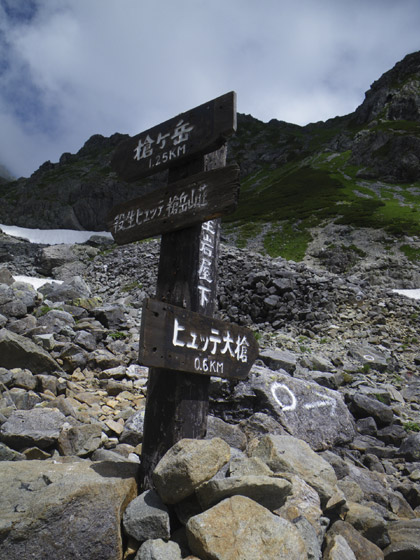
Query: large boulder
(289, 454)
(71, 510)
(16, 351)
(40, 427)
(238, 527)
(306, 410)
(189, 463)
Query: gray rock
(303, 501)
(279, 359)
(81, 440)
(133, 429)
(230, 433)
(6, 276)
(111, 316)
(56, 321)
(72, 510)
(146, 517)
(307, 411)
(39, 427)
(361, 547)
(363, 406)
(188, 464)
(267, 491)
(410, 448)
(405, 540)
(338, 549)
(54, 256)
(244, 466)
(289, 454)
(67, 291)
(370, 357)
(240, 528)
(369, 523)
(157, 549)
(7, 454)
(310, 537)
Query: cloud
(71, 68)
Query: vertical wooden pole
(177, 403)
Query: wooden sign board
(197, 131)
(176, 339)
(179, 205)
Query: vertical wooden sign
(191, 143)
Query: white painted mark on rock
(327, 401)
(275, 387)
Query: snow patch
(415, 294)
(52, 236)
(36, 282)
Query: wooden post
(177, 403)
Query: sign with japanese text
(197, 131)
(174, 338)
(179, 205)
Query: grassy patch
(411, 253)
(288, 241)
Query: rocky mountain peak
(396, 95)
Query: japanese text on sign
(168, 146)
(205, 271)
(173, 206)
(216, 343)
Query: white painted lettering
(177, 329)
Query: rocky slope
(320, 447)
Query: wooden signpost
(190, 134)
(180, 340)
(188, 202)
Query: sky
(73, 68)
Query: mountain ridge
(361, 169)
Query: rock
(363, 406)
(307, 411)
(146, 517)
(309, 536)
(279, 359)
(39, 427)
(244, 466)
(67, 291)
(405, 540)
(188, 464)
(54, 256)
(47, 507)
(338, 549)
(7, 454)
(6, 276)
(133, 429)
(240, 528)
(267, 491)
(369, 523)
(362, 548)
(410, 448)
(111, 316)
(370, 357)
(289, 454)
(81, 440)
(157, 549)
(303, 501)
(230, 433)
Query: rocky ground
(320, 447)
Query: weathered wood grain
(181, 340)
(196, 132)
(179, 205)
